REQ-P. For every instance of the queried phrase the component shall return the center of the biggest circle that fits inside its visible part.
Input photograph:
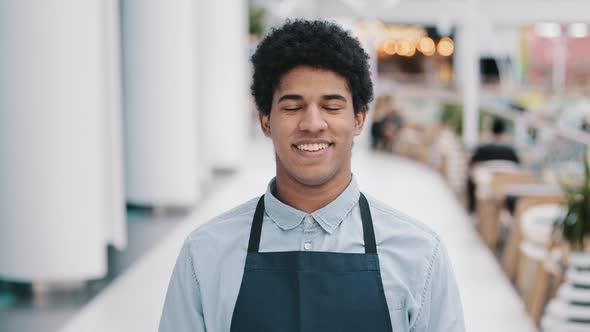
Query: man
(495, 150)
(313, 253)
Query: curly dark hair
(318, 44)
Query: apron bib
(300, 291)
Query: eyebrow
(325, 97)
(334, 96)
(290, 97)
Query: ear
(264, 123)
(359, 120)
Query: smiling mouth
(313, 147)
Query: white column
(205, 174)
(468, 56)
(225, 108)
(507, 44)
(159, 103)
(52, 133)
(115, 224)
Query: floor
(20, 311)
(133, 301)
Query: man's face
(312, 125)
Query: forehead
(309, 80)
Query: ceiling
(495, 12)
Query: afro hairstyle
(318, 44)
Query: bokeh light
(445, 47)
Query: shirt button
(307, 246)
(309, 219)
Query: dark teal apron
(311, 291)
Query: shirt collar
(329, 217)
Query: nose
(312, 119)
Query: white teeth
(312, 147)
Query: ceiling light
(577, 30)
(548, 30)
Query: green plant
(575, 226)
(256, 20)
(452, 116)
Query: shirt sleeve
(441, 309)
(183, 310)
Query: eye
(332, 108)
(292, 108)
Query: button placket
(310, 231)
(309, 224)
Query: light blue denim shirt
(418, 280)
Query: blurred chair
(539, 254)
(526, 201)
(483, 172)
(411, 143)
(490, 196)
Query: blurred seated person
(585, 125)
(391, 126)
(382, 104)
(496, 150)
(386, 124)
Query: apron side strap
(368, 231)
(256, 229)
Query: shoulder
(507, 147)
(404, 243)
(486, 147)
(230, 216)
(393, 222)
(224, 229)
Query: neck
(310, 198)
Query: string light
(445, 46)
(405, 41)
(426, 46)
(390, 47)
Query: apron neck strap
(367, 220)
(256, 228)
(368, 231)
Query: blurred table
(514, 192)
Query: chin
(313, 178)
